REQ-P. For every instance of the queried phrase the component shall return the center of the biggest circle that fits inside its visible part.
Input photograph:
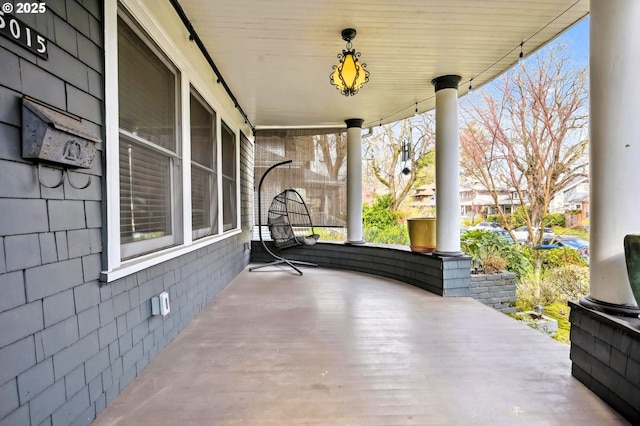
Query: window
(229, 184)
(149, 160)
(204, 181)
(158, 109)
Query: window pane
(147, 91)
(229, 203)
(145, 193)
(229, 211)
(202, 134)
(200, 198)
(204, 209)
(204, 203)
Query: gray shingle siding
(68, 345)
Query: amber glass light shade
(349, 75)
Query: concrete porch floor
(342, 348)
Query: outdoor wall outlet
(160, 304)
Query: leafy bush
(381, 225)
(331, 234)
(556, 274)
(532, 290)
(481, 245)
(553, 258)
(553, 219)
(518, 217)
(571, 282)
(378, 214)
(494, 263)
(392, 234)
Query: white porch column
(447, 166)
(354, 181)
(614, 149)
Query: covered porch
(335, 347)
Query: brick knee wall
(605, 355)
(445, 276)
(495, 290)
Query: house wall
(70, 343)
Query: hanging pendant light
(349, 75)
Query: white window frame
(236, 171)
(134, 249)
(175, 162)
(215, 171)
(192, 71)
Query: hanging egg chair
(289, 224)
(289, 221)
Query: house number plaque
(22, 34)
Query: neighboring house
(424, 196)
(573, 202)
(475, 200)
(573, 198)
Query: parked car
(522, 234)
(575, 243)
(582, 246)
(486, 226)
(503, 235)
(499, 231)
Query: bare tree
(333, 152)
(384, 165)
(529, 134)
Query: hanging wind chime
(406, 157)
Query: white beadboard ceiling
(276, 55)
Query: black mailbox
(55, 137)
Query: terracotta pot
(422, 234)
(632, 258)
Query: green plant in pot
(632, 258)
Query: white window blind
(229, 181)
(204, 199)
(147, 92)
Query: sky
(577, 40)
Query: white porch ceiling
(276, 55)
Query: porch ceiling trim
(276, 56)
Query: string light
(520, 57)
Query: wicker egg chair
(289, 224)
(289, 221)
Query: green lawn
(580, 233)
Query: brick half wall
(495, 290)
(445, 276)
(605, 355)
